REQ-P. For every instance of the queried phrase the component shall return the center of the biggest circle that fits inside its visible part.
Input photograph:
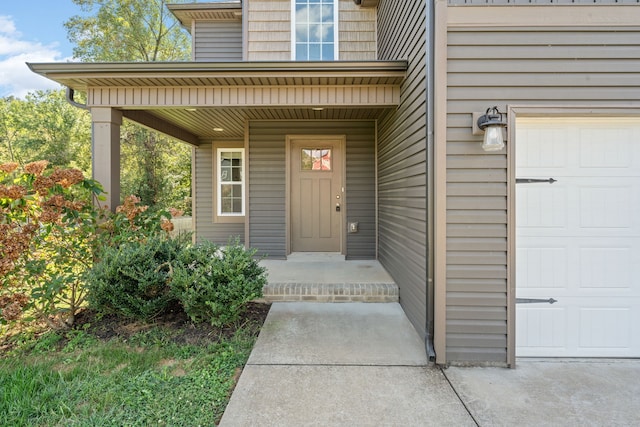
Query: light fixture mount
(492, 122)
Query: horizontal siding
(402, 159)
(217, 41)
(268, 30)
(267, 194)
(206, 229)
(520, 65)
(356, 32)
(540, 2)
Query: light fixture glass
(492, 123)
(218, 130)
(493, 140)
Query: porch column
(105, 151)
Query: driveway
(550, 392)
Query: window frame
(218, 215)
(336, 44)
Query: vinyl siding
(217, 41)
(579, 66)
(402, 159)
(269, 30)
(206, 229)
(539, 2)
(356, 32)
(267, 182)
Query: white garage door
(578, 239)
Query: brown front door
(316, 195)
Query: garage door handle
(534, 180)
(535, 300)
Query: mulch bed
(176, 325)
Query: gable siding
(206, 229)
(217, 41)
(356, 32)
(579, 66)
(267, 183)
(402, 159)
(269, 30)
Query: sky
(32, 31)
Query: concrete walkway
(359, 364)
(348, 364)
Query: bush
(214, 284)
(132, 279)
(47, 238)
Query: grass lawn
(106, 372)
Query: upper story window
(315, 30)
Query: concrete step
(331, 292)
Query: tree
(127, 30)
(44, 126)
(137, 30)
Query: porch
(327, 277)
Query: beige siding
(268, 30)
(519, 64)
(357, 32)
(206, 229)
(402, 159)
(217, 41)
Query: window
(316, 159)
(315, 30)
(230, 181)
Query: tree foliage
(126, 30)
(45, 126)
(154, 167)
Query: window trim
(218, 216)
(336, 30)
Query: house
(353, 128)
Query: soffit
(186, 13)
(200, 119)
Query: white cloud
(15, 77)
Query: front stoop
(331, 292)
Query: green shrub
(132, 279)
(214, 283)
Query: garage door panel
(542, 207)
(605, 207)
(578, 240)
(573, 265)
(604, 328)
(605, 147)
(607, 268)
(541, 268)
(540, 328)
(551, 152)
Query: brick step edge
(331, 292)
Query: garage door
(578, 239)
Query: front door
(316, 195)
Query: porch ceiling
(199, 97)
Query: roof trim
(81, 75)
(49, 68)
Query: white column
(105, 151)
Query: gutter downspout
(430, 23)
(70, 95)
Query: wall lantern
(492, 123)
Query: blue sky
(32, 31)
